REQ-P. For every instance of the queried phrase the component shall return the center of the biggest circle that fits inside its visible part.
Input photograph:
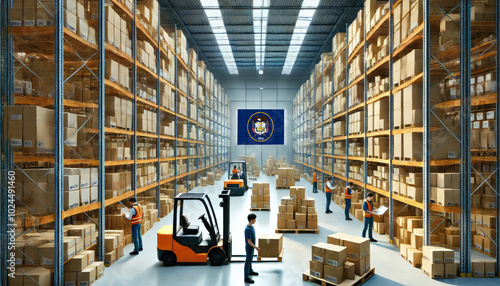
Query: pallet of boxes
(343, 260)
(34, 256)
(271, 246)
(297, 213)
(114, 242)
(285, 178)
(261, 199)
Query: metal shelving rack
(102, 48)
(423, 33)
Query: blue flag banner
(261, 127)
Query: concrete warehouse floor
(145, 269)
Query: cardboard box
(87, 276)
(349, 269)
(290, 224)
(78, 263)
(71, 199)
(414, 257)
(450, 270)
(359, 266)
(270, 244)
(432, 254)
(338, 238)
(316, 269)
(335, 255)
(99, 267)
(111, 242)
(357, 247)
(433, 270)
(333, 274)
(318, 252)
(478, 268)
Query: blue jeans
(248, 261)
(315, 187)
(328, 200)
(136, 236)
(369, 226)
(347, 207)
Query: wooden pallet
(306, 230)
(490, 255)
(260, 209)
(358, 280)
(280, 257)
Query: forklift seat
(188, 239)
(186, 226)
(235, 176)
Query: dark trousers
(136, 236)
(315, 187)
(368, 225)
(248, 261)
(328, 200)
(347, 207)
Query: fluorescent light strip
(299, 33)
(260, 14)
(215, 18)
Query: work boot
(348, 218)
(249, 280)
(373, 240)
(140, 249)
(134, 252)
(253, 273)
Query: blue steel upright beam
(134, 104)
(158, 113)
(4, 144)
(175, 110)
(347, 106)
(426, 121)
(497, 175)
(365, 111)
(465, 162)
(58, 144)
(391, 121)
(102, 142)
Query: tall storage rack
(67, 55)
(444, 65)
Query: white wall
(246, 94)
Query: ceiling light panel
(215, 19)
(299, 33)
(260, 14)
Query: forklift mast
(225, 204)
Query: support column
(426, 121)
(465, 163)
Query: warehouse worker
(249, 247)
(348, 196)
(328, 193)
(235, 173)
(315, 182)
(135, 217)
(368, 212)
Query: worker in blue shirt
(368, 212)
(249, 247)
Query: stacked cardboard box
(356, 68)
(339, 128)
(297, 212)
(357, 251)
(114, 243)
(261, 198)
(356, 32)
(118, 112)
(328, 261)
(147, 12)
(356, 122)
(377, 51)
(117, 183)
(439, 262)
(374, 11)
(271, 245)
(483, 268)
(146, 120)
(338, 43)
(482, 133)
(285, 178)
(379, 86)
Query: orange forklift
(184, 243)
(236, 183)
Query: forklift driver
(235, 173)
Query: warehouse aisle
(145, 269)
